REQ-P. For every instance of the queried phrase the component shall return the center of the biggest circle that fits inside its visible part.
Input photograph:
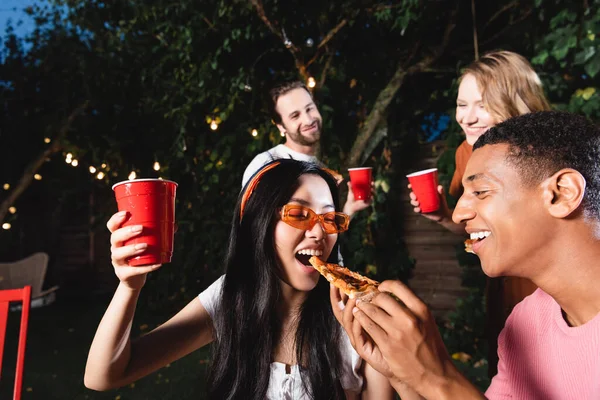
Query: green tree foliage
(569, 54)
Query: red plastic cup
(424, 185)
(361, 182)
(150, 203)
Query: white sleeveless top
(284, 386)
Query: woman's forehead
(314, 191)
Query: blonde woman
(498, 86)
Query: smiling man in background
(296, 115)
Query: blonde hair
(509, 86)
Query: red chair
(6, 296)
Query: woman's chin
(471, 139)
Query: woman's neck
(291, 301)
(289, 314)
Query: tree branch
(381, 7)
(524, 16)
(210, 24)
(380, 133)
(36, 164)
(325, 68)
(413, 53)
(475, 44)
(387, 94)
(260, 10)
(326, 39)
(498, 13)
(332, 33)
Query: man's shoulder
(268, 154)
(258, 161)
(536, 298)
(538, 306)
(273, 153)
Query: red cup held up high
(361, 182)
(424, 185)
(150, 203)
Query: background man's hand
(353, 205)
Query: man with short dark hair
(532, 205)
(296, 115)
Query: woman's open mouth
(304, 255)
(303, 258)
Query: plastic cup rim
(423, 172)
(359, 168)
(143, 180)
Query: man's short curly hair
(542, 143)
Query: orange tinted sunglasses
(304, 218)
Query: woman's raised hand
(443, 213)
(133, 277)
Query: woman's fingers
(122, 234)
(120, 255)
(116, 221)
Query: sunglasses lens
(334, 222)
(298, 217)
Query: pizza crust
(469, 246)
(349, 282)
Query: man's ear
(563, 192)
(281, 128)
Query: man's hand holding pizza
(399, 338)
(342, 309)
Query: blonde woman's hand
(133, 277)
(443, 213)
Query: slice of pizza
(351, 283)
(469, 246)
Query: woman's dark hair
(247, 326)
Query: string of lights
(101, 172)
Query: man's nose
(463, 211)
(307, 119)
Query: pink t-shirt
(541, 357)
